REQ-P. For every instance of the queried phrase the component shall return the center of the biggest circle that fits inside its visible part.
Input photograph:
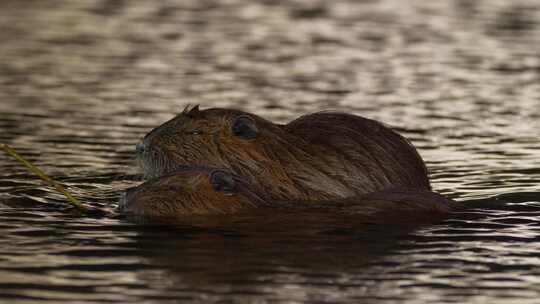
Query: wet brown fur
(319, 156)
(186, 192)
(190, 192)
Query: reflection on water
(81, 82)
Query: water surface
(81, 82)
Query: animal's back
(367, 146)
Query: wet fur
(189, 192)
(318, 156)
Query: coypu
(192, 191)
(325, 155)
(204, 191)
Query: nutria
(325, 155)
(192, 191)
(203, 191)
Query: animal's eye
(245, 127)
(195, 132)
(222, 181)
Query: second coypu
(319, 156)
(204, 191)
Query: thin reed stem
(9, 150)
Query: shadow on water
(287, 256)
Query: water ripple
(82, 82)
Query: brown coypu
(203, 191)
(191, 191)
(324, 155)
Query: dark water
(82, 81)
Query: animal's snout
(141, 147)
(122, 203)
(125, 198)
(152, 138)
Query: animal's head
(191, 191)
(222, 138)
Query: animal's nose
(123, 203)
(140, 147)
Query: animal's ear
(222, 181)
(193, 112)
(245, 127)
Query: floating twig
(9, 150)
